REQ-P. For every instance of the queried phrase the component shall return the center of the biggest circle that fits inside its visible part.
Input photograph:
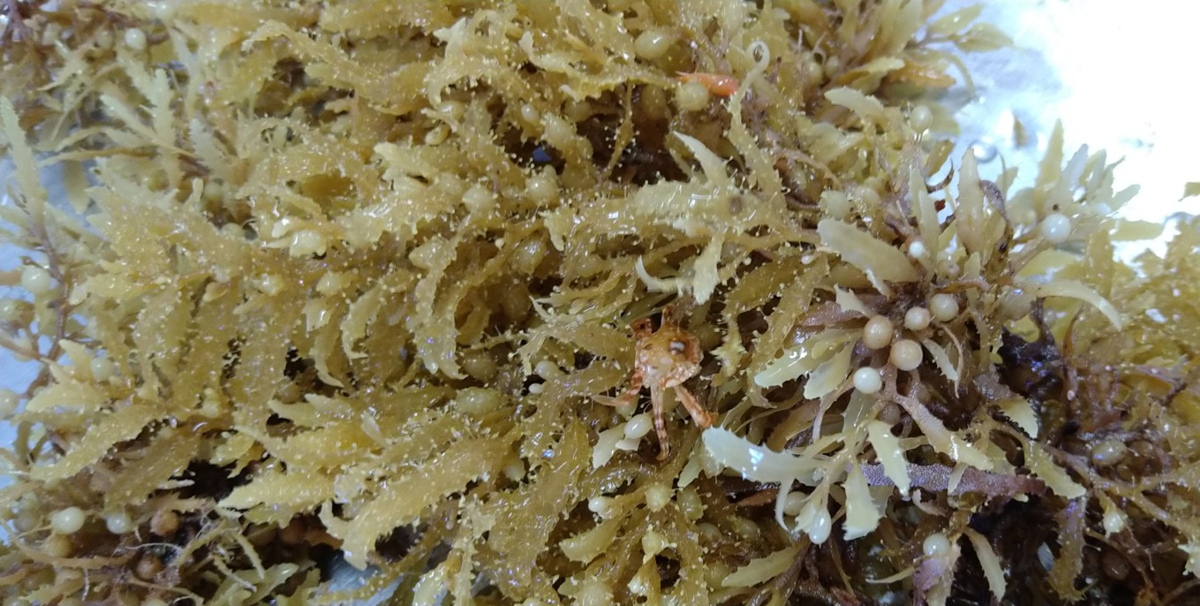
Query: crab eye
(678, 347)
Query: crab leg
(627, 398)
(668, 315)
(660, 426)
(703, 418)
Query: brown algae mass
(347, 280)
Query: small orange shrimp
(720, 85)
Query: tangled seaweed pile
(350, 278)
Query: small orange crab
(665, 359)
